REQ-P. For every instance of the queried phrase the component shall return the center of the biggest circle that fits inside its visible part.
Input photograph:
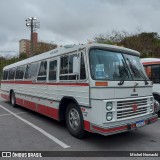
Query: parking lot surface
(24, 130)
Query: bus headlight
(152, 108)
(109, 116)
(109, 106)
(152, 100)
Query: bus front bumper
(125, 126)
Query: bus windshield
(109, 65)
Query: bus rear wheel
(74, 121)
(13, 99)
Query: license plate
(140, 123)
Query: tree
(148, 44)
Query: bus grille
(130, 108)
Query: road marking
(1, 115)
(38, 129)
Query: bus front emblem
(134, 106)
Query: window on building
(5, 75)
(53, 70)
(20, 72)
(31, 71)
(11, 73)
(42, 71)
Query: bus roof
(147, 61)
(67, 49)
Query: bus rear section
(96, 88)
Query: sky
(74, 21)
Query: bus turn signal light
(101, 83)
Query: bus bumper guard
(123, 128)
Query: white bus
(95, 87)
(152, 68)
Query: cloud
(71, 21)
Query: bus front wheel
(74, 121)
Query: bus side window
(53, 70)
(82, 68)
(66, 68)
(42, 71)
(11, 73)
(20, 72)
(5, 75)
(31, 71)
(64, 65)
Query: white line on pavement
(1, 115)
(38, 129)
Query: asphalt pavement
(25, 130)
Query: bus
(95, 87)
(152, 68)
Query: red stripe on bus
(45, 110)
(154, 119)
(29, 105)
(5, 96)
(43, 83)
(19, 101)
(148, 63)
(109, 129)
(51, 112)
(87, 126)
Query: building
(38, 47)
(24, 46)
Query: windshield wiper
(123, 73)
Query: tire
(13, 99)
(157, 99)
(74, 121)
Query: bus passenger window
(66, 68)
(64, 65)
(5, 75)
(31, 71)
(53, 70)
(42, 71)
(11, 73)
(20, 72)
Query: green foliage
(43, 47)
(148, 44)
(4, 61)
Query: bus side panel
(79, 92)
(40, 105)
(5, 91)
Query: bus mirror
(76, 65)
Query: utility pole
(32, 24)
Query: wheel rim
(74, 118)
(12, 99)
